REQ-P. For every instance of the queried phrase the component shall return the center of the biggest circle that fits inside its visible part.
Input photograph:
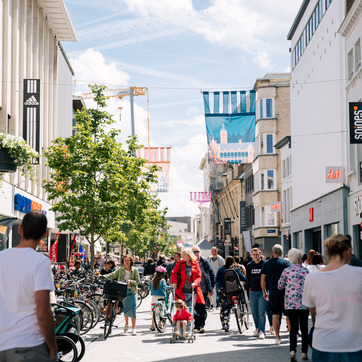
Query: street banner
(247, 241)
(355, 122)
(201, 197)
(159, 156)
(31, 113)
(230, 126)
(81, 252)
(227, 231)
(71, 252)
(54, 250)
(242, 216)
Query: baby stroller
(189, 333)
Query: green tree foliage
(99, 188)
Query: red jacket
(182, 315)
(180, 269)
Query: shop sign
(24, 204)
(276, 206)
(334, 174)
(271, 231)
(311, 214)
(355, 122)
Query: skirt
(130, 304)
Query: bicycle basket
(112, 288)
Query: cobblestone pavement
(214, 345)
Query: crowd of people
(296, 286)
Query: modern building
(272, 125)
(35, 95)
(318, 124)
(351, 32)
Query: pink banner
(201, 197)
(54, 250)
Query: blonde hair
(337, 245)
(190, 253)
(179, 303)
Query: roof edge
(298, 18)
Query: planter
(7, 163)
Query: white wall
(318, 124)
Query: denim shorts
(29, 354)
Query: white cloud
(90, 66)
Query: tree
(100, 189)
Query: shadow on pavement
(274, 354)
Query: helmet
(161, 269)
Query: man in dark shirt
(258, 303)
(270, 274)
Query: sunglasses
(196, 252)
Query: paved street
(214, 345)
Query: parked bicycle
(163, 310)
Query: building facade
(33, 64)
(272, 125)
(318, 124)
(351, 31)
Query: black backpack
(232, 282)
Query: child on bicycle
(158, 287)
(182, 315)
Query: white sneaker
(304, 357)
(261, 335)
(125, 329)
(293, 358)
(134, 333)
(256, 333)
(278, 341)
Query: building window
(267, 180)
(327, 3)
(333, 229)
(350, 65)
(268, 217)
(266, 108)
(357, 56)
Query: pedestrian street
(214, 345)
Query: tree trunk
(92, 251)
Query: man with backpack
(258, 303)
(207, 285)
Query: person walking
(225, 306)
(187, 276)
(292, 280)
(130, 274)
(207, 285)
(26, 319)
(334, 295)
(258, 303)
(171, 266)
(216, 261)
(270, 274)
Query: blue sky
(176, 48)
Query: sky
(176, 48)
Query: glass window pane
(269, 107)
(269, 143)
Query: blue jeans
(336, 356)
(258, 309)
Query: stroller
(190, 335)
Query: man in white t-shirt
(26, 319)
(216, 261)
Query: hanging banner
(159, 156)
(54, 250)
(355, 122)
(71, 252)
(230, 126)
(201, 197)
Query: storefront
(14, 204)
(319, 219)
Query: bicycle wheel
(238, 316)
(99, 300)
(79, 343)
(245, 314)
(143, 290)
(139, 300)
(87, 316)
(67, 350)
(96, 311)
(159, 318)
(108, 319)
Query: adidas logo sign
(31, 101)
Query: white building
(318, 124)
(30, 33)
(351, 31)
